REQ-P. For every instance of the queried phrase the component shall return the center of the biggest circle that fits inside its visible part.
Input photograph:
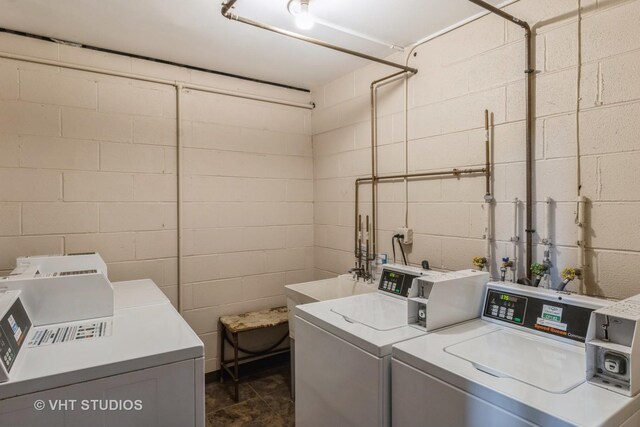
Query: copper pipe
(530, 72)
(453, 172)
(487, 164)
(359, 254)
(226, 12)
(366, 265)
(374, 144)
(374, 179)
(357, 220)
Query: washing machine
(521, 364)
(78, 350)
(343, 346)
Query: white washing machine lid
(379, 313)
(542, 363)
(584, 405)
(372, 322)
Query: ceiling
(193, 32)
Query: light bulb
(304, 20)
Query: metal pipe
(359, 255)
(376, 179)
(367, 263)
(356, 222)
(453, 172)
(226, 12)
(487, 155)
(546, 241)
(88, 69)
(529, 70)
(179, 170)
(582, 237)
(374, 121)
(491, 8)
(488, 197)
(514, 242)
(374, 150)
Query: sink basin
(322, 290)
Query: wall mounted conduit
(226, 12)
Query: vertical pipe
(488, 198)
(487, 250)
(180, 193)
(356, 221)
(547, 217)
(367, 263)
(515, 240)
(582, 235)
(546, 241)
(530, 73)
(487, 161)
(529, 147)
(374, 148)
(359, 227)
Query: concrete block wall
(476, 67)
(88, 163)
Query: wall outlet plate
(407, 234)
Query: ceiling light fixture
(300, 9)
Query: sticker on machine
(70, 332)
(552, 317)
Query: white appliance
(141, 365)
(319, 290)
(521, 364)
(53, 286)
(343, 349)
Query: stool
(239, 323)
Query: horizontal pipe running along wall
(88, 163)
(481, 66)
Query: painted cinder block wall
(478, 66)
(88, 163)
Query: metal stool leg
(222, 331)
(236, 378)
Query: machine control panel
(546, 314)
(504, 306)
(14, 327)
(395, 282)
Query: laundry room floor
(265, 400)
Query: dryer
(343, 346)
(521, 364)
(121, 355)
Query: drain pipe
(530, 72)
(226, 12)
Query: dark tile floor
(265, 400)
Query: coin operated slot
(615, 363)
(422, 315)
(612, 341)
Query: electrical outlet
(407, 234)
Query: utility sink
(322, 290)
